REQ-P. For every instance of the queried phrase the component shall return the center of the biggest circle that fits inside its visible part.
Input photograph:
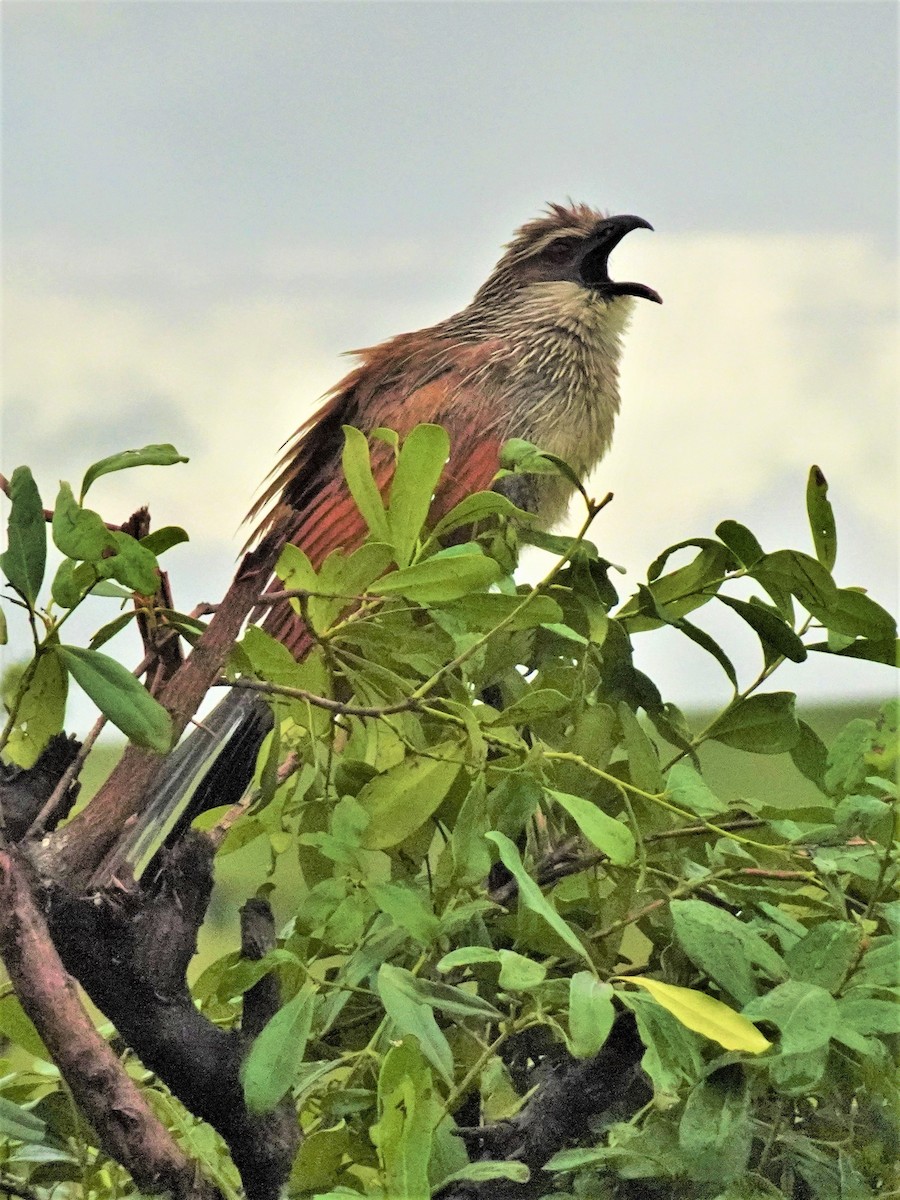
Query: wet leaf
(25, 560)
(163, 455)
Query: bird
(535, 355)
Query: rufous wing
(315, 510)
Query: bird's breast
(564, 396)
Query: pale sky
(205, 203)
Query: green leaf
(269, 658)
(111, 628)
(271, 1067)
(805, 1014)
(112, 591)
(845, 611)
(643, 760)
(854, 614)
(483, 611)
(519, 973)
(347, 575)
(762, 724)
(403, 1134)
(525, 458)
(25, 560)
(132, 565)
(710, 552)
(419, 467)
(591, 1014)
(535, 703)
(740, 541)
(407, 909)
(611, 836)
(869, 1015)
(673, 1055)
(295, 570)
(715, 1130)
(810, 755)
(821, 518)
(480, 506)
(487, 1169)
(861, 815)
(687, 788)
(464, 956)
(17, 1027)
(681, 591)
(79, 532)
(567, 633)
(531, 896)
(880, 966)
(319, 1161)
(443, 996)
(357, 468)
(163, 455)
(439, 578)
(825, 955)
(562, 546)
(158, 541)
(724, 947)
(882, 650)
(701, 638)
(703, 1014)
(120, 697)
(772, 630)
(18, 1122)
(40, 713)
(411, 1015)
(72, 582)
(846, 767)
(401, 800)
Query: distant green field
(730, 773)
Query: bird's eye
(560, 250)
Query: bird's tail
(226, 743)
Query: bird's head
(566, 244)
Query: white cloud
(769, 353)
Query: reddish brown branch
(108, 1097)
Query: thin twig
(71, 773)
(335, 706)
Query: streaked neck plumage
(555, 373)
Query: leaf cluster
(500, 841)
(97, 560)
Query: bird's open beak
(594, 265)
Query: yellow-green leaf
(703, 1014)
(401, 800)
(607, 833)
